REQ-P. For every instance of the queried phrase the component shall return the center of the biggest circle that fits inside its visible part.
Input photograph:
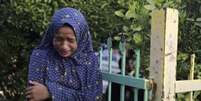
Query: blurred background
(23, 22)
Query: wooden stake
(163, 53)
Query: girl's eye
(71, 40)
(58, 39)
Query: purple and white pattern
(76, 78)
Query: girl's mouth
(64, 52)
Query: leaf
(117, 38)
(150, 1)
(138, 28)
(125, 28)
(137, 38)
(105, 4)
(196, 94)
(130, 14)
(183, 56)
(168, 4)
(150, 7)
(190, 19)
(198, 24)
(198, 19)
(119, 13)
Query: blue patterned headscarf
(77, 21)
(76, 78)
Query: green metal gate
(125, 80)
(163, 60)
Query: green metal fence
(163, 60)
(125, 80)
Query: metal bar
(146, 95)
(100, 57)
(137, 66)
(109, 42)
(135, 94)
(137, 70)
(123, 74)
(123, 63)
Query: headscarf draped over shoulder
(77, 21)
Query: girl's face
(65, 41)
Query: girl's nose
(66, 46)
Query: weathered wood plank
(191, 76)
(187, 86)
(163, 53)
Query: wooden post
(191, 76)
(163, 53)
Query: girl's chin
(65, 54)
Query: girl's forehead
(72, 17)
(65, 31)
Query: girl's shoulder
(92, 59)
(92, 56)
(40, 54)
(89, 58)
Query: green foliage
(135, 14)
(23, 22)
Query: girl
(64, 67)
